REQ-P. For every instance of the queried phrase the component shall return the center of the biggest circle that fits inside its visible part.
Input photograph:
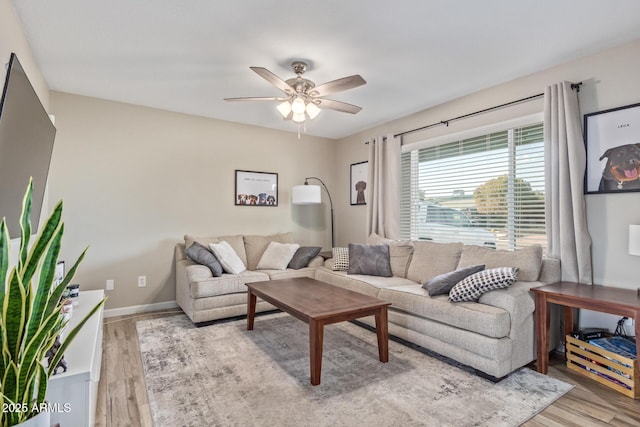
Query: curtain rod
(575, 86)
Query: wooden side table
(571, 295)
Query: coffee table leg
(251, 309)
(316, 333)
(382, 331)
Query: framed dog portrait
(612, 139)
(359, 175)
(256, 188)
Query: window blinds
(486, 190)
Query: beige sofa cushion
(430, 259)
(204, 241)
(528, 260)
(368, 285)
(399, 253)
(202, 287)
(290, 273)
(236, 242)
(316, 262)
(480, 318)
(254, 246)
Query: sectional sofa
(204, 297)
(494, 335)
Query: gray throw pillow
(442, 283)
(303, 255)
(200, 254)
(372, 260)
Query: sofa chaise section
(494, 334)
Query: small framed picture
(58, 275)
(359, 175)
(256, 188)
(612, 139)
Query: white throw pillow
(227, 257)
(277, 256)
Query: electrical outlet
(142, 281)
(110, 284)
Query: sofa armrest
(197, 272)
(516, 299)
(550, 272)
(182, 281)
(179, 252)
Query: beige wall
(12, 39)
(610, 79)
(134, 180)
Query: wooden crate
(594, 362)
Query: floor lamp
(312, 195)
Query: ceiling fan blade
(273, 79)
(338, 85)
(271, 98)
(338, 106)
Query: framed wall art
(612, 139)
(256, 188)
(359, 176)
(58, 275)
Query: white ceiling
(186, 55)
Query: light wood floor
(122, 398)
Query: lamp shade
(306, 195)
(312, 110)
(634, 240)
(284, 109)
(298, 117)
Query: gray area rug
(224, 375)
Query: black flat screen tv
(26, 144)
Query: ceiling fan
(302, 97)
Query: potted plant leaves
(31, 317)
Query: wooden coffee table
(319, 304)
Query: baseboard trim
(135, 309)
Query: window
(483, 190)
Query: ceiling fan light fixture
(312, 110)
(298, 106)
(284, 108)
(298, 117)
(303, 97)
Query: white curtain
(565, 162)
(383, 206)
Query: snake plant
(31, 315)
